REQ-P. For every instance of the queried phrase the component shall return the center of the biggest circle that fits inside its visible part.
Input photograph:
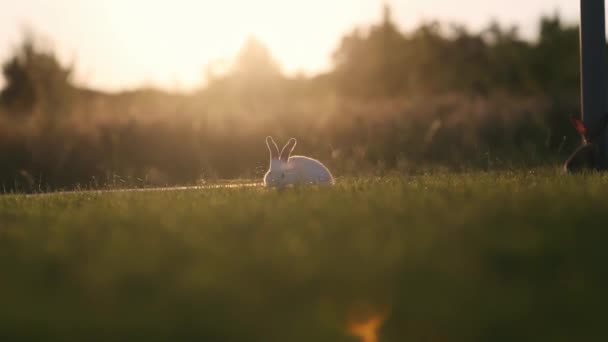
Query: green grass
(500, 256)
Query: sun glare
(169, 42)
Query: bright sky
(119, 44)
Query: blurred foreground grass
(506, 256)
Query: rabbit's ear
(579, 125)
(272, 147)
(288, 149)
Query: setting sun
(167, 43)
(178, 37)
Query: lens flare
(366, 327)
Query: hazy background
(108, 38)
(155, 93)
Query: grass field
(499, 256)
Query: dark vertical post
(593, 70)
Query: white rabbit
(293, 170)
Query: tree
(254, 62)
(35, 79)
(372, 64)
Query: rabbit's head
(278, 161)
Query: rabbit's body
(305, 170)
(294, 170)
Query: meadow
(478, 256)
